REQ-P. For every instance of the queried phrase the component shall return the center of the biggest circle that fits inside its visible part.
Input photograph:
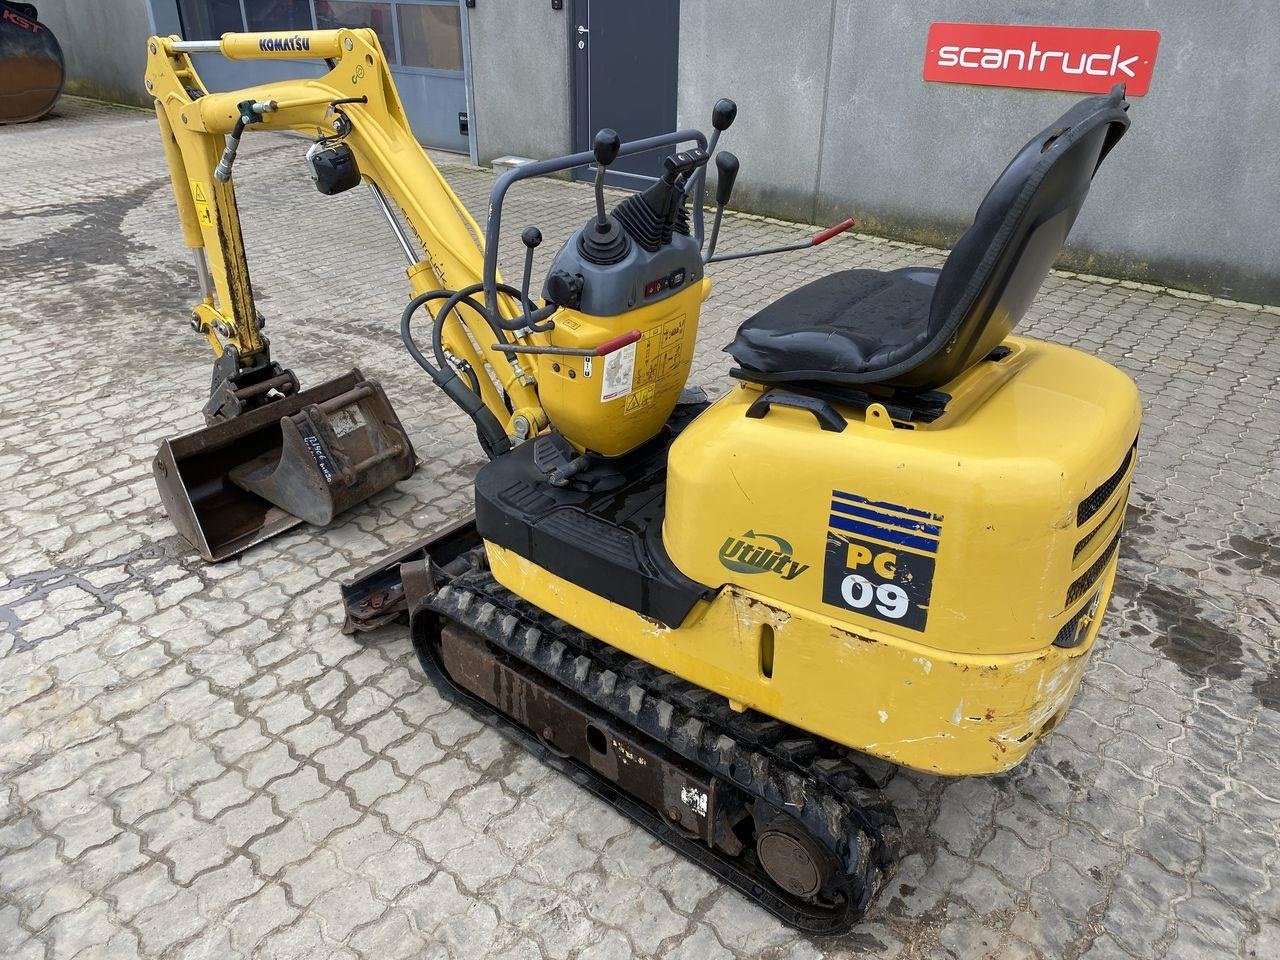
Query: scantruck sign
(1084, 59)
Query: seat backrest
(994, 271)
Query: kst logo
(1043, 58)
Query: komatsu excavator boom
(254, 471)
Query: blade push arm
(357, 101)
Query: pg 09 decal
(880, 559)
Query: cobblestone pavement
(195, 762)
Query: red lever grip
(825, 235)
(617, 343)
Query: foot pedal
(306, 456)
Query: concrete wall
(104, 45)
(835, 120)
(520, 79)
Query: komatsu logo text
(761, 553)
(284, 43)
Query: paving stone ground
(196, 763)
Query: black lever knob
(531, 237)
(606, 146)
(727, 170)
(723, 114)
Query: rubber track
(813, 780)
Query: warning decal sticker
(648, 369)
(200, 195)
(880, 559)
(619, 368)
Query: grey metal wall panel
(772, 59)
(104, 46)
(520, 79)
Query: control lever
(727, 173)
(723, 114)
(606, 145)
(607, 243)
(602, 350)
(531, 237)
(822, 236)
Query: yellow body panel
(612, 404)
(931, 642)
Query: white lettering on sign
(1084, 59)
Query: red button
(652, 287)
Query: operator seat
(917, 328)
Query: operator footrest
(601, 531)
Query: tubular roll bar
(538, 168)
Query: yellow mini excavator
(894, 535)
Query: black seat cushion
(847, 323)
(918, 329)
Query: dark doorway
(624, 56)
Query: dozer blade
(303, 457)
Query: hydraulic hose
(493, 438)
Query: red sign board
(1087, 59)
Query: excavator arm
(356, 104)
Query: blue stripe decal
(923, 514)
(886, 534)
(902, 523)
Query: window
(331, 14)
(430, 35)
(209, 19)
(278, 14)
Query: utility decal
(761, 553)
(880, 559)
(1084, 59)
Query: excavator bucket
(31, 66)
(306, 456)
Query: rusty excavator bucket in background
(286, 457)
(31, 66)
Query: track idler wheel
(794, 860)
